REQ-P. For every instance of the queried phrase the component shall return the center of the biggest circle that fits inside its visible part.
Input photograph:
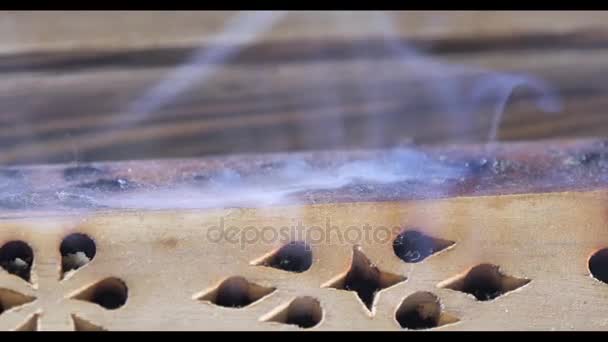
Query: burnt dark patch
(273, 165)
(81, 172)
(203, 177)
(589, 157)
(109, 185)
(477, 166)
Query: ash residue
(273, 165)
(62, 199)
(297, 179)
(590, 165)
(493, 166)
(387, 175)
(478, 165)
(19, 201)
(590, 158)
(109, 185)
(227, 176)
(76, 200)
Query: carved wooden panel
(510, 260)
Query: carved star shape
(30, 303)
(365, 279)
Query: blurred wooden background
(79, 86)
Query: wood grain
(315, 81)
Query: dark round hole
(304, 312)
(598, 265)
(483, 282)
(237, 292)
(413, 246)
(16, 258)
(419, 311)
(302, 319)
(110, 294)
(294, 257)
(76, 251)
(234, 293)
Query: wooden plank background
(71, 81)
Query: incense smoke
(455, 91)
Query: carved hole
(30, 324)
(598, 265)
(365, 279)
(16, 257)
(412, 246)
(10, 299)
(76, 251)
(485, 282)
(84, 325)
(305, 312)
(295, 257)
(110, 293)
(422, 310)
(236, 292)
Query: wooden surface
(476, 237)
(171, 262)
(267, 180)
(315, 81)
